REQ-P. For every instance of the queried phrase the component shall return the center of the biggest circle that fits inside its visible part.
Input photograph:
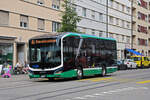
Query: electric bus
(69, 55)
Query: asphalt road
(121, 85)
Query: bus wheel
(79, 73)
(103, 71)
(142, 66)
(149, 66)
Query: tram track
(32, 83)
(81, 89)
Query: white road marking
(90, 96)
(79, 98)
(111, 92)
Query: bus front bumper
(68, 74)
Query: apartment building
(93, 15)
(141, 27)
(23, 19)
(119, 25)
(96, 22)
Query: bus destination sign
(42, 41)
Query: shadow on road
(68, 79)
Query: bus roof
(89, 36)
(66, 34)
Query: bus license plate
(43, 76)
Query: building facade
(106, 18)
(22, 19)
(141, 27)
(119, 25)
(93, 16)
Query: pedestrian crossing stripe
(143, 82)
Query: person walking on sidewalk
(26, 67)
(6, 67)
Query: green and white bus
(71, 55)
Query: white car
(130, 63)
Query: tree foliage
(69, 18)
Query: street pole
(131, 25)
(106, 18)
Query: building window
(93, 14)
(111, 35)
(40, 2)
(100, 33)
(123, 38)
(4, 18)
(55, 26)
(111, 3)
(23, 21)
(122, 8)
(6, 52)
(41, 24)
(84, 30)
(142, 16)
(128, 9)
(117, 37)
(142, 29)
(101, 17)
(111, 21)
(142, 42)
(122, 23)
(127, 39)
(142, 3)
(93, 32)
(56, 4)
(128, 25)
(117, 5)
(117, 21)
(74, 7)
(84, 12)
(99, 1)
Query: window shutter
(4, 18)
(24, 19)
(41, 24)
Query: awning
(134, 52)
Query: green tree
(69, 18)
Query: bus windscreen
(46, 52)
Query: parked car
(141, 61)
(121, 65)
(130, 63)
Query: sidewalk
(20, 77)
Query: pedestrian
(26, 67)
(6, 67)
(6, 70)
(18, 68)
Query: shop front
(6, 53)
(7, 50)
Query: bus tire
(142, 66)
(103, 71)
(149, 66)
(79, 73)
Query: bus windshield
(45, 53)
